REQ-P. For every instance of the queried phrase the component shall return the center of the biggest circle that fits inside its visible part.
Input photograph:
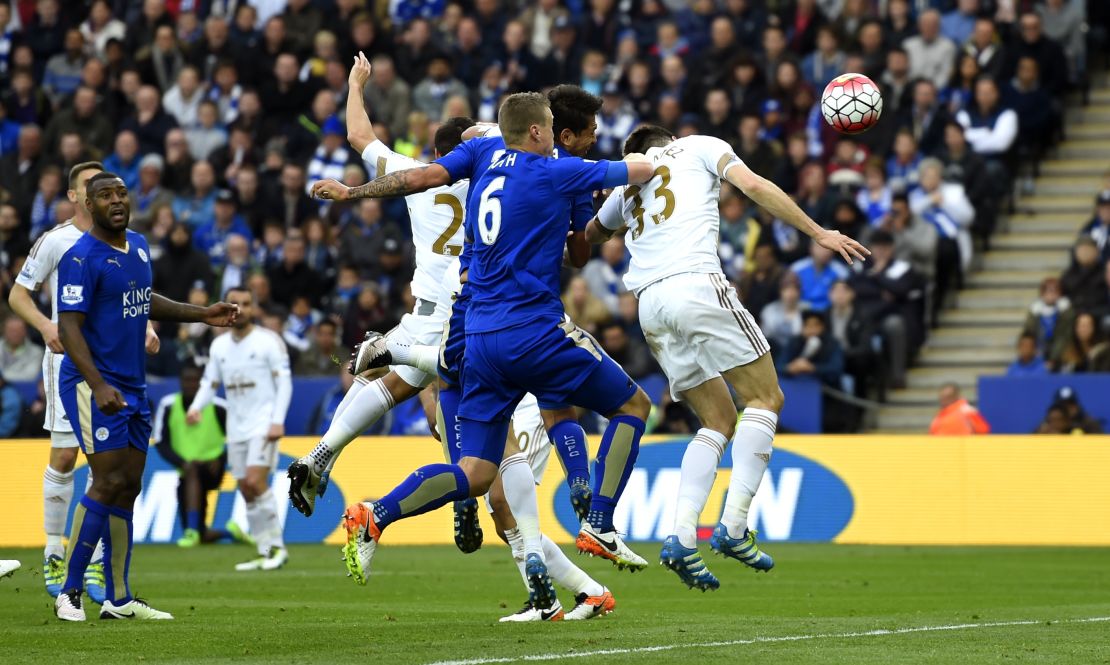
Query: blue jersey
(112, 288)
(470, 159)
(517, 216)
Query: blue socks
(570, 442)
(90, 521)
(619, 447)
(192, 520)
(449, 399)
(118, 536)
(428, 488)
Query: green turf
(429, 604)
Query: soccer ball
(851, 103)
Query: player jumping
(517, 339)
(252, 363)
(104, 303)
(57, 484)
(699, 332)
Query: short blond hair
(519, 112)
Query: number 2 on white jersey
(440, 246)
(489, 211)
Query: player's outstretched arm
(360, 131)
(768, 195)
(108, 399)
(221, 314)
(401, 183)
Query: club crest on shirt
(72, 294)
(143, 256)
(101, 433)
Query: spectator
(366, 312)
(1079, 419)
(990, 128)
(1037, 111)
(903, 167)
(1064, 23)
(160, 64)
(149, 122)
(1050, 320)
(603, 274)
(931, 54)
(959, 23)
(615, 121)
(875, 198)
(14, 245)
(181, 267)
(813, 353)
(816, 276)
(1099, 226)
(956, 416)
(854, 332)
(962, 165)
(827, 61)
(83, 119)
(302, 318)
(945, 205)
(292, 277)
(521, 67)
(207, 135)
(182, 101)
(1028, 361)
(388, 97)
(431, 93)
(926, 118)
(782, 319)
(891, 295)
(321, 357)
(985, 48)
(1049, 55)
(1086, 350)
(124, 161)
(416, 49)
(141, 31)
(211, 236)
(897, 82)
(26, 102)
(237, 266)
(148, 195)
(46, 200)
(20, 358)
(916, 242)
(583, 307)
(564, 61)
(63, 71)
(1056, 421)
(759, 285)
(11, 409)
(1082, 282)
(100, 27)
(285, 95)
(331, 156)
(761, 155)
(630, 353)
(198, 206)
(292, 205)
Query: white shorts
(697, 328)
(420, 328)
(256, 451)
(56, 419)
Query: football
(851, 103)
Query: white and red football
(851, 103)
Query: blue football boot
(745, 550)
(687, 563)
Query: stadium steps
(976, 334)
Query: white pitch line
(766, 640)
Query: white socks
(516, 548)
(699, 468)
(559, 567)
(57, 493)
(751, 451)
(262, 520)
(520, 492)
(363, 410)
(565, 573)
(349, 397)
(421, 356)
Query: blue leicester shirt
(112, 288)
(471, 158)
(517, 216)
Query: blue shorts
(558, 363)
(454, 341)
(97, 432)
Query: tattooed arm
(400, 183)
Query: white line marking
(766, 640)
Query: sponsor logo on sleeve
(73, 294)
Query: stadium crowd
(219, 114)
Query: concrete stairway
(977, 336)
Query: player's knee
(480, 474)
(111, 486)
(499, 504)
(556, 416)
(63, 460)
(248, 487)
(771, 400)
(638, 405)
(725, 423)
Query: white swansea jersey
(42, 263)
(436, 216)
(673, 219)
(249, 370)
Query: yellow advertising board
(1015, 490)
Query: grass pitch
(428, 604)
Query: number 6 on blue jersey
(490, 207)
